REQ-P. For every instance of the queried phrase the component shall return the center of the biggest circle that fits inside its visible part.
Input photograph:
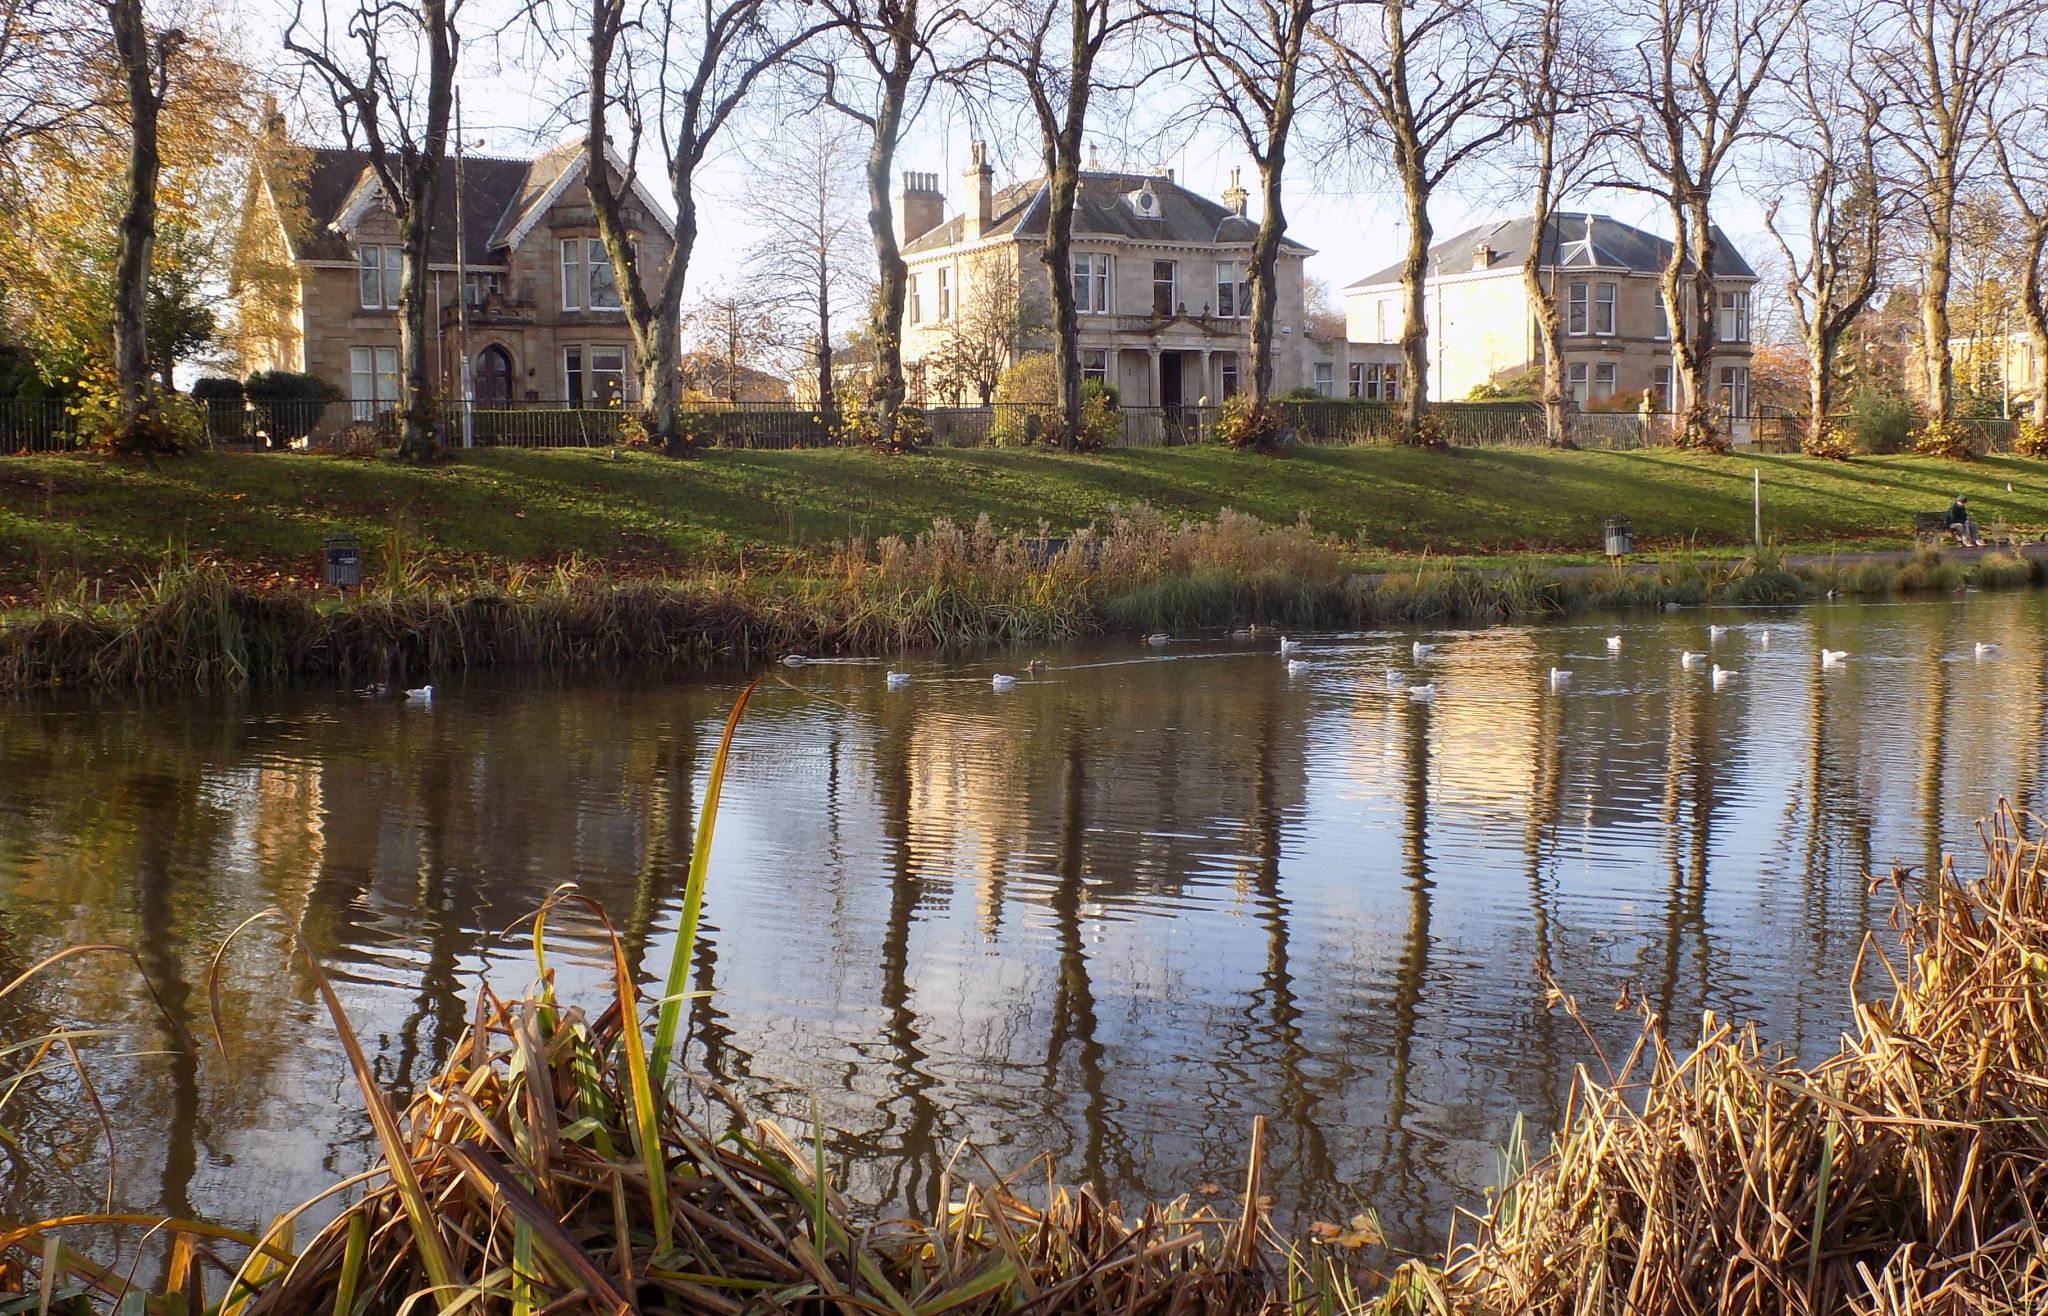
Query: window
(1660, 388)
(1233, 290)
(916, 300)
(1603, 379)
(1603, 308)
(1357, 382)
(1163, 298)
(1390, 383)
(1575, 317)
(1091, 283)
(1094, 365)
(587, 280)
(1662, 325)
(1735, 389)
(1735, 317)
(1379, 321)
(945, 293)
(572, 375)
(607, 375)
(480, 287)
(1226, 371)
(1374, 383)
(1326, 379)
(377, 277)
(1575, 381)
(372, 381)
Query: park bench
(1929, 527)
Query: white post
(1757, 476)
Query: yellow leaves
(1363, 1231)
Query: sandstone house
(1160, 275)
(519, 284)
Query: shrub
(1834, 444)
(1302, 394)
(1101, 423)
(216, 388)
(1944, 438)
(167, 424)
(2030, 438)
(1525, 387)
(1881, 424)
(288, 404)
(1243, 425)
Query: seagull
(423, 695)
(1558, 676)
(1763, 638)
(1613, 643)
(1288, 646)
(1002, 682)
(897, 680)
(1690, 660)
(1396, 679)
(1295, 667)
(1833, 657)
(1716, 632)
(1422, 692)
(1722, 675)
(1422, 650)
(1157, 637)
(1984, 649)
(794, 660)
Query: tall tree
(1826, 149)
(1687, 98)
(1941, 64)
(2023, 169)
(1252, 55)
(370, 70)
(143, 57)
(1048, 52)
(633, 72)
(894, 56)
(1426, 84)
(802, 193)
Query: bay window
(1603, 308)
(377, 268)
(1376, 383)
(587, 280)
(1575, 314)
(1575, 381)
(1603, 380)
(1233, 290)
(1091, 283)
(1735, 390)
(945, 293)
(1735, 317)
(607, 376)
(372, 381)
(1094, 365)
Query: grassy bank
(194, 624)
(267, 516)
(562, 1162)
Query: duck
(1690, 660)
(1259, 631)
(1288, 646)
(1833, 657)
(1613, 643)
(794, 660)
(375, 690)
(1723, 675)
(1716, 632)
(1036, 665)
(1295, 667)
(1002, 681)
(1158, 637)
(1422, 650)
(1241, 633)
(1985, 650)
(897, 680)
(423, 695)
(1422, 692)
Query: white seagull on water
(1833, 657)
(1002, 681)
(1421, 650)
(1690, 660)
(1723, 675)
(1288, 646)
(1422, 692)
(897, 680)
(423, 695)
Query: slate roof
(1615, 245)
(1100, 210)
(497, 194)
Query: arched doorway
(493, 376)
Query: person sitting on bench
(1960, 524)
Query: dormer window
(1144, 203)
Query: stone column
(1208, 389)
(1152, 379)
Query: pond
(1106, 916)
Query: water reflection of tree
(1397, 1148)
(1073, 1012)
(1839, 824)
(1692, 764)
(1934, 706)
(1539, 830)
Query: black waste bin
(344, 563)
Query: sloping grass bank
(193, 625)
(267, 516)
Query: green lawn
(95, 515)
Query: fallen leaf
(1209, 1189)
(1363, 1233)
(1323, 1229)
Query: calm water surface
(1109, 915)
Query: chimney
(921, 208)
(1235, 196)
(1482, 256)
(273, 118)
(981, 194)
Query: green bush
(214, 389)
(288, 403)
(1881, 424)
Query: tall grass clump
(1905, 1174)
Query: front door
(1169, 381)
(493, 376)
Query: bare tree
(1551, 70)
(802, 192)
(1426, 83)
(41, 52)
(1049, 52)
(732, 336)
(635, 70)
(895, 45)
(1827, 148)
(996, 324)
(1688, 98)
(144, 60)
(2023, 168)
(1252, 55)
(1940, 64)
(369, 71)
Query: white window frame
(1227, 382)
(914, 299)
(1095, 365)
(378, 263)
(1233, 280)
(1379, 320)
(1663, 324)
(1357, 384)
(1660, 389)
(1577, 381)
(481, 285)
(1605, 378)
(604, 384)
(573, 393)
(598, 268)
(1734, 324)
(1578, 310)
(1094, 293)
(1326, 379)
(572, 274)
(373, 381)
(1734, 392)
(945, 293)
(1603, 308)
(1171, 284)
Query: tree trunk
(891, 274)
(1542, 295)
(1414, 314)
(416, 220)
(824, 339)
(1063, 182)
(1692, 298)
(2035, 311)
(1934, 328)
(1265, 273)
(142, 72)
(1821, 343)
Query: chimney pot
(981, 194)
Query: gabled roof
(501, 199)
(1572, 241)
(1101, 209)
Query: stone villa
(1160, 275)
(514, 240)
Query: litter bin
(1620, 536)
(344, 563)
